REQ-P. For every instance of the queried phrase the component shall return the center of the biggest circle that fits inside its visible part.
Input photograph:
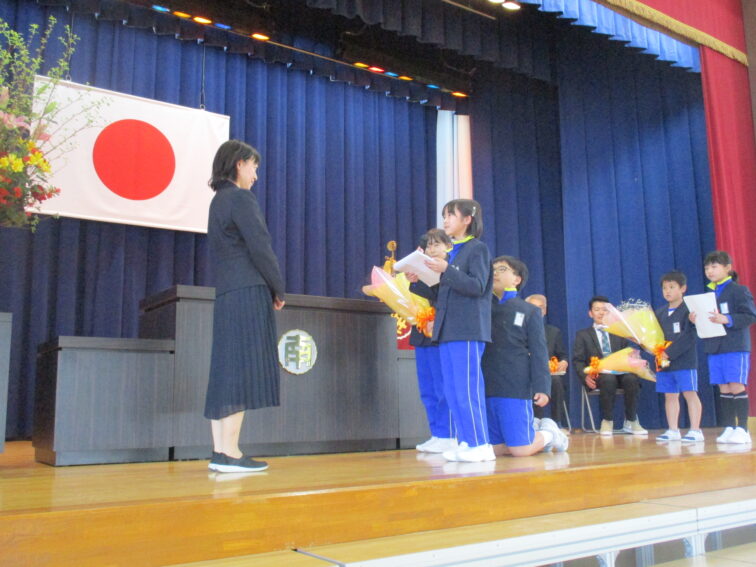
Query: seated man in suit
(555, 346)
(595, 341)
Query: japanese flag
(132, 160)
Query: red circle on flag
(134, 159)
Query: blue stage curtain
(604, 21)
(514, 125)
(521, 42)
(344, 171)
(636, 190)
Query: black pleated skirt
(244, 361)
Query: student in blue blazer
(463, 327)
(729, 355)
(516, 368)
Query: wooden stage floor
(165, 513)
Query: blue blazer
(736, 301)
(463, 305)
(682, 352)
(516, 363)
(240, 246)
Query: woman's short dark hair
(722, 258)
(228, 155)
(467, 208)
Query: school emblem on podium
(297, 351)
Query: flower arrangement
(27, 111)
(394, 291)
(636, 321)
(625, 360)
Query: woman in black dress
(248, 287)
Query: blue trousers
(430, 382)
(465, 390)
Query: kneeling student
(516, 368)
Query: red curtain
(729, 124)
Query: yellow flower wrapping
(635, 320)
(623, 361)
(394, 292)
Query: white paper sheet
(415, 263)
(703, 305)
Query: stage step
(545, 539)
(275, 559)
(736, 556)
(155, 514)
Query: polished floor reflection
(26, 485)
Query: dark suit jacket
(463, 305)
(554, 343)
(586, 345)
(682, 352)
(240, 248)
(740, 307)
(516, 363)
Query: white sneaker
(477, 454)
(441, 445)
(634, 427)
(559, 442)
(739, 436)
(669, 435)
(536, 423)
(725, 435)
(452, 454)
(693, 436)
(425, 444)
(607, 428)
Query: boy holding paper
(681, 375)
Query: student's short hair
(437, 235)
(597, 299)
(674, 276)
(518, 267)
(467, 208)
(720, 257)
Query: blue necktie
(605, 346)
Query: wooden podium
(105, 400)
(351, 400)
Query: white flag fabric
(139, 161)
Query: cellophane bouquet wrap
(394, 291)
(623, 361)
(635, 320)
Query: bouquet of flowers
(394, 292)
(623, 361)
(27, 111)
(636, 321)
